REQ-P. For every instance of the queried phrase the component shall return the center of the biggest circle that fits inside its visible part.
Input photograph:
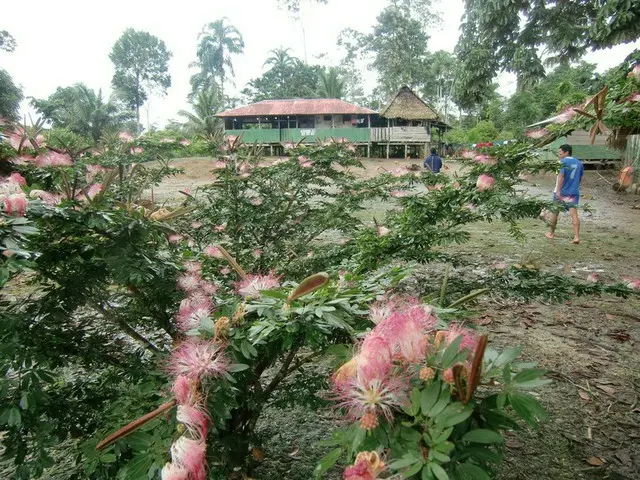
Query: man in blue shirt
(568, 190)
(433, 162)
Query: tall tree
(203, 121)
(7, 42)
(399, 47)
(141, 62)
(297, 81)
(218, 41)
(280, 59)
(438, 81)
(10, 93)
(504, 35)
(331, 83)
(349, 41)
(82, 110)
(10, 96)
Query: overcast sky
(62, 42)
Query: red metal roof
(297, 106)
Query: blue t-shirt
(433, 163)
(572, 168)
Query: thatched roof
(408, 106)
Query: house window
(327, 118)
(346, 118)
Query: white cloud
(67, 41)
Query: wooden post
(333, 121)
(387, 150)
(271, 150)
(405, 150)
(369, 150)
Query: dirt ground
(589, 345)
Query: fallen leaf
(257, 454)
(584, 395)
(595, 461)
(513, 443)
(608, 316)
(606, 389)
(485, 320)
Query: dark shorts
(567, 201)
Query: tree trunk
(137, 104)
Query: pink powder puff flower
(189, 282)
(400, 193)
(196, 225)
(209, 288)
(469, 338)
(635, 97)
(137, 150)
(167, 140)
(367, 395)
(188, 319)
(252, 285)
(374, 357)
(256, 202)
(193, 266)
(185, 142)
(381, 310)
(220, 228)
(183, 391)
(15, 204)
(565, 115)
(125, 137)
(383, 231)
(190, 455)
(53, 159)
(48, 198)
(400, 172)
(367, 466)
(92, 171)
(40, 141)
(94, 190)
(499, 265)
(197, 358)
(289, 145)
(351, 148)
(174, 472)
(304, 161)
(244, 168)
(175, 238)
(535, 134)
(593, 278)
(485, 159)
(485, 182)
(635, 72)
(15, 177)
(18, 140)
(224, 271)
(23, 160)
(468, 154)
(219, 165)
(407, 330)
(633, 284)
(310, 254)
(195, 421)
(213, 251)
(257, 253)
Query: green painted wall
(581, 152)
(361, 135)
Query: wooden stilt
(387, 150)
(406, 150)
(271, 150)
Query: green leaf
(277, 294)
(509, 355)
(138, 466)
(456, 413)
(206, 325)
(411, 471)
(467, 471)
(481, 435)
(451, 352)
(108, 458)
(327, 462)
(527, 407)
(358, 438)
(506, 375)
(238, 367)
(404, 462)
(445, 447)
(415, 401)
(440, 405)
(443, 436)
(14, 418)
(529, 375)
(438, 471)
(429, 396)
(440, 457)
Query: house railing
(355, 135)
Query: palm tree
(331, 83)
(218, 41)
(205, 105)
(280, 59)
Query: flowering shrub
(428, 401)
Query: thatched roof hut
(406, 105)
